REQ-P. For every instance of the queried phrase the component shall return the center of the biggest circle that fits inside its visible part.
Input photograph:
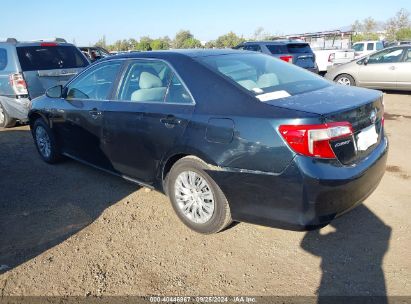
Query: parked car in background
(326, 58)
(227, 135)
(363, 48)
(389, 68)
(27, 69)
(292, 51)
(94, 53)
(396, 43)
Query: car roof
(193, 53)
(275, 42)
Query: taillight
(18, 84)
(43, 44)
(314, 140)
(331, 57)
(287, 58)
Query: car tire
(45, 142)
(209, 212)
(345, 79)
(5, 120)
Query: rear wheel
(345, 79)
(196, 198)
(5, 120)
(45, 142)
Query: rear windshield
(262, 74)
(291, 48)
(33, 58)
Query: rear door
(381, 70)
(150, 115)
(49, 64)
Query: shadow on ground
(42, 205)
(351, 256)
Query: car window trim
(92, 66)
(127, 65)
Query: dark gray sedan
(227, 135)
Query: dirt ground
(72, 230)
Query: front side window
(95, 83)
(386, 56)
(261, 74)
(359, 47)
(152, 81)
(3, 59)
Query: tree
(403, 34)
(185, 40)
(228, 40)
(369, 25)
(144, 44)
(160, 44)
(399, 23)
(357, 26)
(102, 42)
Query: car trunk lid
(360, 107)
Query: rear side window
(380, 46)
(298, 48)
(34, 58)
(277, 49)
(152, 81)
(3, 59)
(370, 46)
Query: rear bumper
(17, 108)
(307, 195)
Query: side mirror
(55, 92)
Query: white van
(363, 48)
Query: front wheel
(45, 142)
(345, 79)
(196, 198)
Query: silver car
(387, 69)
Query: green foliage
(160, 44)
(403, 34)
(228, 40)
(101, 42)
(185, 40)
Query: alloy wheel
(194, 197)
(43, 142)
(344, 81)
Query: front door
(80, 118)
(148, 119)
(381, 69)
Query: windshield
(35, 58)
(262, 74)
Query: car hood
(328, 100)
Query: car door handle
(170, 121)
(94, 113)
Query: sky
(85, 21)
